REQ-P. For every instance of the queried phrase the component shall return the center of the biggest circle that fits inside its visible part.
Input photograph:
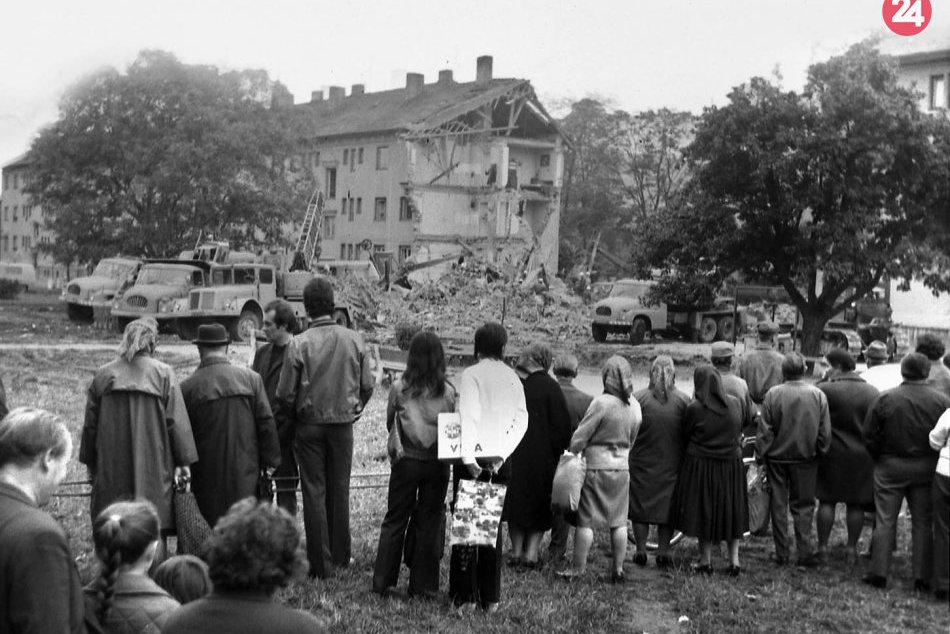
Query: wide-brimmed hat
(876, 350)
(212, 335)
(722, 350)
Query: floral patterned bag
(477, 513)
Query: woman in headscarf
(528, 502)
(605, 436)
(709, 502)
(655, 459)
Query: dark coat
(3, 401)
(139, 606)
(268, 362)
(39, 584)
(846, 472)
(240, 613)
(136, 432)
(577, 401)
(528, 502)
(234, 433)
(656, 456)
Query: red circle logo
(907, 17)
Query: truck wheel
(707, 330)
(244, 325)
(727, 328)
(638, 331)
(340, 317)
(599, 332)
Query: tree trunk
(813, 325)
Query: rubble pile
(469, 295)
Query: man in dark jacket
(280, 323)
(897, 437)
(794, 431)
(39, 583)
(846, 472)
(324, 386)
(233, 426)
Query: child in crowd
(185, 577)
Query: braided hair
(122, 533)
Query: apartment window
(349, 251)
(16, 180)
(36, 229)
(316, 159)
(6, 213)
(361, 156)
(343, 206)
(359, 206)
(404, 212)
(382, 157)
(346, 156)
(352, 206)
(331, 182)
(329, 227)
(352, 159)
(938, 92)
(16, 212)
(379, 211)
(6, 244)
(379, 248)
(342, 250)
(25, 240)
(14, 243)
(405, 250)
(6, 181)
(545, 160)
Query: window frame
(377, 216)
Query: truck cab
(158, 285)
(626, 310)
(110, 277)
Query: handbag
(760, 493)
(477, 513)
(568, 482)
(192, 528)
(394, 448)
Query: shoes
(618, 578)
(466, 609)
(569, 575)
(527, 564)
(921, 585)
(640, 559)
(491, 608)
(663, 562)
(874, 580)
(779, 560)
(811, 561)
(515, 562)
(733, 571)
(703, 569)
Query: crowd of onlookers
(653, 457)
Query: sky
(638, 54)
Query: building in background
(433, 172)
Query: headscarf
(662, 377)
(708, 389)
(537, 357)
(618, 378)
(140, 336)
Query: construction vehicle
(627, 310)
(84, 294)
(159, 283)
(240, 284)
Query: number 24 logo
(907, 17)
(909, 12)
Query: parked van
(22, 274)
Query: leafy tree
(822, 192)
(142, 162)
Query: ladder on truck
(309, 237)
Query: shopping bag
(568, 482)
(759, 499)
(394, 446)
(192, 528)
(265, 487)
(477, 514)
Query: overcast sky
(640, 54)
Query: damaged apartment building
(432, 172)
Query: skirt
(605, 499)
(710, 500)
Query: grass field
(762, 599)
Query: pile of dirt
(532, 308)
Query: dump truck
(111, 276)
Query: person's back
(796, 423)
(761, 367)
(138, 605)
(577, 400)
(252, 614)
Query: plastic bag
(759, 499)
(568, 482)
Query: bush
(9, 289)
(404, 332)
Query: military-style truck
(158, 285)
(110, 277)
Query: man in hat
(880, 373)
(324, 385)
(136, 438)
(897, 437)
(233, 426)
(794, 431)
(931, 346)
(761, 368)
(722, 356)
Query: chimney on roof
(337, 93)
(414, 83)
(357, 90)
(483, 69)
(316, 96)
(445, 76)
